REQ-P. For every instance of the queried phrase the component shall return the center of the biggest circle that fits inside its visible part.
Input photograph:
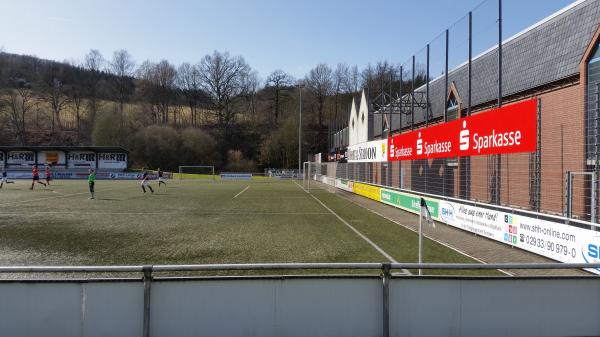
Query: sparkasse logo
(464, 137)
(419, 145)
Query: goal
(197, 172)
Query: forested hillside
(216, 111)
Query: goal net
(196, 172)
(319, 176)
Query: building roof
(108, 149)
(547, 52)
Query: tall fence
(326, 305)
(472, 67)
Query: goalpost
(306, 172)
(324, 175)
(196, 172)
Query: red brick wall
(562, 110)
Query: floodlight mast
(300, 86)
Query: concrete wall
(304, 307)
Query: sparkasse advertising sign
(509, 129)
(374, 151)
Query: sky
(270, 34)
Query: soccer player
(36, 177)
(91, 182)
(48, 174)
(146, 182)
(4, 179)
(160, 178)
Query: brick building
(556, 61)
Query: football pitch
(199, 222)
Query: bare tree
(341, 77)
(122, 67)
(75, 98)
(93, 62)
(249, 84)
(351, 83)
(55, 95)
(17, 103)
(320, 83)
(158, 87)
(278, 81)
(53, 92)
(188, 81)
(222, 78)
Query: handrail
(288, 266)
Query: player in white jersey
(161, 180)
(4, 179)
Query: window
(593, 105)
(452, 108)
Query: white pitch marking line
(217, 212)
(424, 235)
(244, 190)
(373, 244)
(62, 195)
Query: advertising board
(77, 159)
(509, 129)
(54, 158)
(112, 161)
(554, 240)
(369, 191)
(20, 159)
(374, 151)
(551, 239)
(343, 184)
(83, 175)
(236, 176)
(2, 160)
(408, 202)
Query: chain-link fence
(463, 72)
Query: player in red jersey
(36, 177)
(48, 174)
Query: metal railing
(385, 274)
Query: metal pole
(470, 63)
(499, 157)
(420, 240)
(391, 110)
(389, 133)
(595, 185)
(412, 96)
(400, 96)
(381, 107)
(300, 130)
(427, 90)
(386, 276)
(467, 161)
(446, 77)
(538, 158)
(147, 290)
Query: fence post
(147, 287)
(385, 277)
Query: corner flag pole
(427, 215)
(421, 236)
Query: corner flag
(425, 213)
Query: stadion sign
(509, 129)
(374, 151)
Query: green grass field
(193, 222)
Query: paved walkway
(475, 246)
